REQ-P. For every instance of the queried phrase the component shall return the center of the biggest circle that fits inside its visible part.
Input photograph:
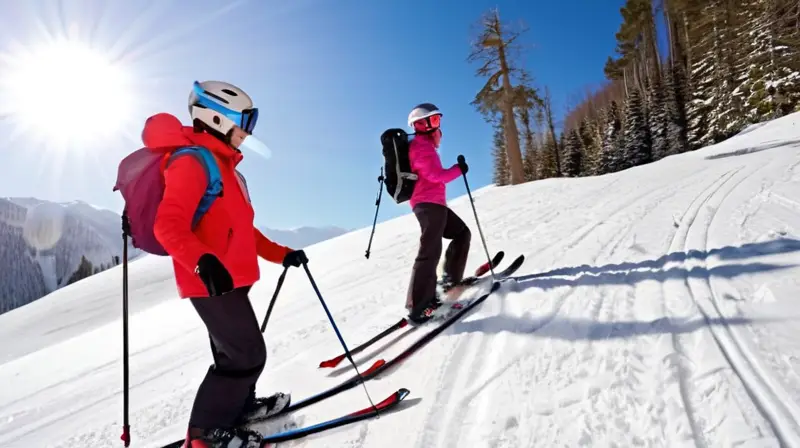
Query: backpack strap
(209, 164)
(243, 184)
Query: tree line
(727, 64)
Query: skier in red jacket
(216, 263)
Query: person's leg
(422, 290)
(458, 250)
(239, 358)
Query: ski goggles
(428, 123)
(245, 119)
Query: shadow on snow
(634, 272)
(629, 273)
(570, 329)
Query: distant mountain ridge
(91, 242)
(302, 237)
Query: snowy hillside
(89, 233)
(658, 306)
(83, 240)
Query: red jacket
(226, 230)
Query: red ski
(469, 281)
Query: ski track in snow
(655, 308)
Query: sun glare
(64, 94)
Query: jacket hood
(163, 132)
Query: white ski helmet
(421, 112)
(221, 105)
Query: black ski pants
(436, 222)
(239, 352)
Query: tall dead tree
(493, 49)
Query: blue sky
(328, 76)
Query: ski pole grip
(461, 158)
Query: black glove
(295, 258)
(217, 279)
(462, 164)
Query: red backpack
(141, 181)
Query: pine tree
(591, 146)
(771, 85)
(547, 160)
(85, 269)
(572, 154)
(551, 143)
(501, 172)
(529, 155)
(675, 107)
(658, 121)
(611, 155)
(532, 160)
(637, 148)
(715, 111)
(729, 63)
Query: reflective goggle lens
(246, 120)
(428, 123)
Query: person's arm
(268, 249)
(184, 187)
(428, 166)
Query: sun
(63, 93)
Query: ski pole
(474, 212)
(377, 207)
(338, 334)
(126, 428)
(274, 296)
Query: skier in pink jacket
(436, 220)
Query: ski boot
(262, 408)
(444, 284)
(425, 312)
(450, 290)
(222, 438)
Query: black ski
(333, 362)
(469, 281)
(364, 414)
(484, 268)
(297, 433)
(381, 365)
(499, 277)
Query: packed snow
(655, 308)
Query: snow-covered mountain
(302, 237)
(81, 241)
(89, 242)
(657, 307)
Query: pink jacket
(430, 186)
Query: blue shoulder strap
(214, 188)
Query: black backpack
(399, 178)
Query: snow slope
(656, 308)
